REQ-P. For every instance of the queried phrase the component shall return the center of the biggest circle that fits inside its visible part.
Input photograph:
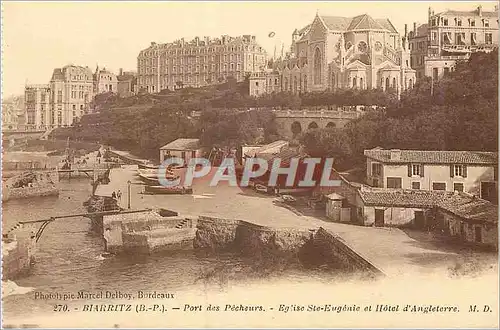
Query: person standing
(119, 195)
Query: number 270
(60, 308)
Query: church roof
(364, 22)
(360, 22)
(336, 22)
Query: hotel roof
(434, 157)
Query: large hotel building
(340, 52)
(57, 104)
(451, 36)
(198, 62)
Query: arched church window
(317, 66)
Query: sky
(40, 36)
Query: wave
(10, 288)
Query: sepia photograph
(249, 164)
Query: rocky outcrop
(272, 247)
(30, 184)
(18, 253)
(215, 234)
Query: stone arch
(354, 82)
(361, 83)
(317, 66)
(394, 82)
(387, 83)
(296, 128)
(313, 125)
(331, 124)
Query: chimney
(197, 41)
(406, 30)
(253, 38)
(224, 38)
(480, 10)
(121, 71)
(414, 29)
(395, 154)
(207, 40)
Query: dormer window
(472, 22)
(445, 22)
(486, 23)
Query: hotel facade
(198, 63)
(449, 37)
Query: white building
(473, 172)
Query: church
(340, 52)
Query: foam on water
(10, 288)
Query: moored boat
(157, 190)
(153, 179)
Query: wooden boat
(147, 167)
(163, 190)
(152, 173)
(153, 179)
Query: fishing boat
(153, 179)
(147, 167)
(155, 172)
(163, 190)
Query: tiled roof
(461, 204)
(364, 22)
(386, 24)
(336, 22)
(400, 197)
(470, 208)
(361, 22)
(183, 144)
(435, 157)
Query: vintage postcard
(250, 164)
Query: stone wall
(280, 245)
(28, 192)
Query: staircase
(46, 134)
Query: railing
(392, 55)
(316, 114)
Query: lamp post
(128, 193)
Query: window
(376, 169)
(488, 38)
(446, 71)
(59, 96)
(435, 73)
(445, 22)
(459, 22)
(458, 187)
(458, 170)
(438, 186)
(472, 22)
(486, 23)
(74, 107)
(472, 38)
(415, 185)
(416, 170)
(394, 183)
